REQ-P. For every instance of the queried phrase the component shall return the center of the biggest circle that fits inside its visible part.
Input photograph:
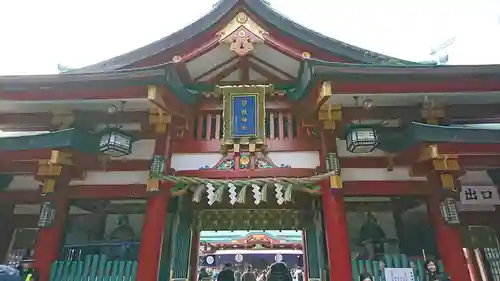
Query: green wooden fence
(98, 268)
(95, 268)
(390, 261)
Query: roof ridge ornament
(241, 33)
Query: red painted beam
(43, 120)
(78, 192)
(452, 86)
(107, 191)
(245, 174)
(195, 146)
(465, 161)
(351, 188)
(386, 188)
(215, 105)
(20, 197)
(28, 167)
(77, 94)
(24, 155)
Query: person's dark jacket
(226, 275)
(279, 272)
(438, 276)
(248, 276)
(203, 275)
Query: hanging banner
(399, 274)
(479, 195)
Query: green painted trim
(168, 245)
(75, 139)
(183, 236)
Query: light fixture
(361, 138)
(112, 109)
(115, 142)
(367, 104)
(449, 211)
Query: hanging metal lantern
(361, 138)
(449, 211)
(115, 143)
(238, 258)
(278, 258)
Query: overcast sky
(37, 35)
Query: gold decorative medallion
(241, 34)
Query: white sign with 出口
(399, 274)
(479, 195)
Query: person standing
(279, 272)
(249, 275)
(226, 273)
(237, 275)
(203, 274)
(432, 272)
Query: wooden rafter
(226, 72)
(245, 70)
(264, 72)
(274, 68)
(215, 68)
(278, 46)
(196, 53)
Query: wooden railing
(376, 267)
(283, 132)
(113, 250)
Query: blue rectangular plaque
(244, 116)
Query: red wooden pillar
(337, 238)
(193, 256)
(50, 239)
(152, 237)
(154, 221)
(305, 261)
(448, 242)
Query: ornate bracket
(159, 117)
(49, 170)
(241, 33)
(446, 165)
(329, 115)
